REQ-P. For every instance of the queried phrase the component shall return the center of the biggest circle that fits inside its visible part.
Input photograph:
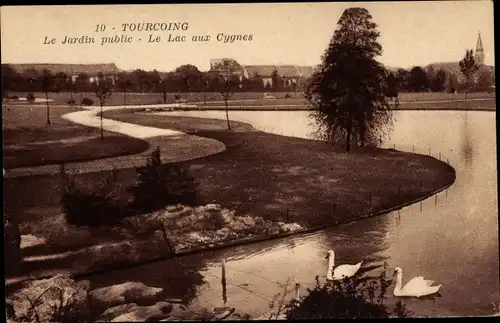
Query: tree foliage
(159, 184)
(468, 67)
(348, 92)
(356, 297)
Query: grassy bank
(302, 180)
(295, 97)
(29, 141)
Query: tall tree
(468, 67)
(392, 88)
(452, 82)
(484, 80)
(402, 75)
(276, 80)
(348, 91)
(8, 76)
(48, 84)
(188, 77)
(417, 79)
(103, 92)
(438, 81)
(82, 84)
(124, 84)
(227, 73)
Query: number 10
(100, 28)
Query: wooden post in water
(429, 151)
(435, 199)
(439, 155)
(394, 146)
(413, 150)
(420, 206)
(447, 161)
(223, 281)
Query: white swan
(416, 287)
(342, 271)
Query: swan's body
(342, 271)
(417, 287)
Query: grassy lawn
(265, 174)
(296, 98)
(29, 141)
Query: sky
(411, 33)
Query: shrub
(56, 299)
(30, 97)
(356, 297)
(177, 97)
(287, 96)
(71, 102)
(160, 184)
(92, 207)
(87, 102)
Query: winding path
(178, 145)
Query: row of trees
(185, 78)
(418, 79)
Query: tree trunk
(102, 126)
(125, 98)
(227, 115)
(349, 134)
(165, 96)
(48, 107)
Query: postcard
(249, 161)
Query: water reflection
(467, 153)
(451, 238)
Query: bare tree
(227, 72)
(48, 84)
(103, 92)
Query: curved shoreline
(233, 243)
(255, 239)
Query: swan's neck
(329, 272)
(399, 282)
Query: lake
(451, 238)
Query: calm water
(452, 239)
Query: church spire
(479, 55)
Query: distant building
(454, 67)
(479, 54)
(72, 71)
(239, 70)
(291, 74)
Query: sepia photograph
(249, 161)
